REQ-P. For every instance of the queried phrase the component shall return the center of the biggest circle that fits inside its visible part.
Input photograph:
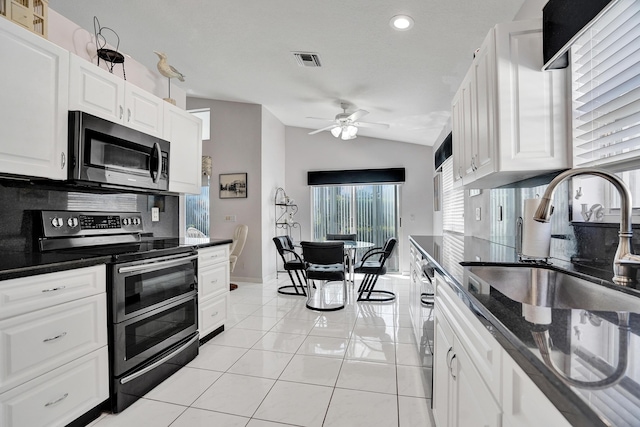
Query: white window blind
(452, 200)
(605, 63)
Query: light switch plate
(478, 216)
(155, 214)
(230, 218)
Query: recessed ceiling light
(401, 22)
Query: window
(452, 200)
(197, 210)
(605, 67)
(370, 211)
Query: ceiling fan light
(336, 131)
(352, 131)
(401, 22)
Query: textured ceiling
(241, 51)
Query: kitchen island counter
(585, 345)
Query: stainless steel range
(152, 295)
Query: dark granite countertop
(585, 345)
(15, 264)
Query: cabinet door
(443, 349)
(523, 403)
(34, 343)
(34, 88)
(184, 131)
(533, 116)
(457, 136)
(59, 396)
(143, 111)
(95, 91)
(468, 86)
(472, 400)
(482, 90)
(213, 314)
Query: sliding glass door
(370, 211)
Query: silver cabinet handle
(451, 368)
(54, 289)
(128, 114)
(57, 337)
(53, 402)
(215, 314)
(121, 112)
(63, 160)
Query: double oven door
(154, 312)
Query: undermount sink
(544, 287)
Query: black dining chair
(292, 263)
(373, 266)
(344, 238)
(324, 263)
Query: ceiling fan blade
(371, 125)
(357, 114)
(323, 119)
(323, 129)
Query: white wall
(75, 39)
(235, 146)
(324, 152)
(273, 176)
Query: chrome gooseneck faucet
(625, 262)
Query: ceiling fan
(345, 125)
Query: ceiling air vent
(307, 59)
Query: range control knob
(57, 222)
(136, 221)
(72, 222)
(126, 221)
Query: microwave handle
(155, 175)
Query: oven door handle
(156, 265)
(158, 362)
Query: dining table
(350, 249)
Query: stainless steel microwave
(107, 154)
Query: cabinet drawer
(482, 347)
(213, 314)
(34, 343)
(18, 296)
(213, 280)
(59, 396)
(214, 255)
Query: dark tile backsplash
(18, 200)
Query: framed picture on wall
(233, 185)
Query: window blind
(605, 63)
(452, 200)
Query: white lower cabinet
(213, 288)
(59, 396)
(54, 363)
(475, 382)
(460, 396)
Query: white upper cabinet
(184, 131)
(509, 118)
(96, 91)
(34, 88)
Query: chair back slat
(323, 253)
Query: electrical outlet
(230, 218)
(155, 214)
(478, 216)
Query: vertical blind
(452, 200)
(606, 88)
(369, 211)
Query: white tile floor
(279, 363)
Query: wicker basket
(30, 14)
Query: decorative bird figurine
(166, 69)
